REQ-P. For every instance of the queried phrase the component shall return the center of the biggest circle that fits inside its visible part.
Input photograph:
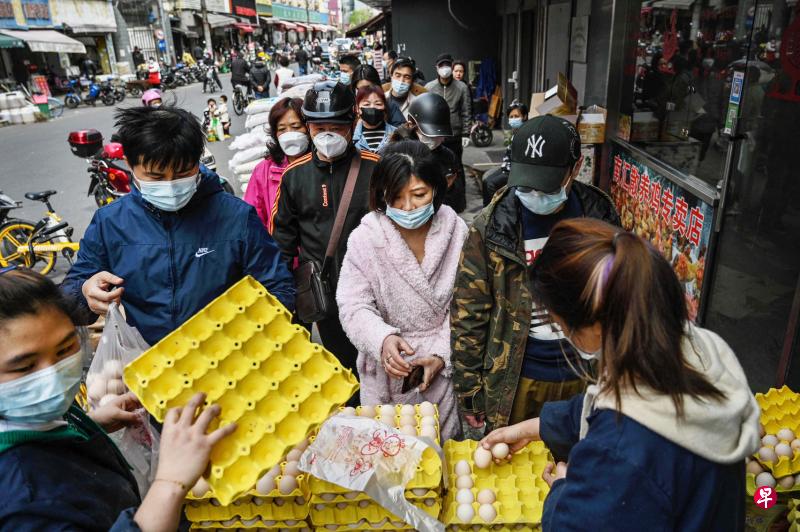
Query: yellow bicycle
(34, 245)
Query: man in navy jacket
(177, 241)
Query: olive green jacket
(492, 302)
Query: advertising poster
(676, 221)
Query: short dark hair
(399, 161)
(277, 112)
(392, 54)
(365, 72)
(211, 100)
(223, 97)
(283, 61)
(24, 292)
(350, 60)
(162, 137)
(404, 62)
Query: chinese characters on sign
(765, 497)
(675, 221)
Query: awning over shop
(287, 25)
(371, 26)
(47, 41)
(220, 21)
(673, 4)
(302, 27)
(244, 26)
(10, 42)
(84, 16)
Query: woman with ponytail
(658, 442)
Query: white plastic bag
(139, 445)
(246, 168)
(250, 154)
(262, 105)
(361, 454)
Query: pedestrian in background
(301, 56)
(389, 57)
(496, 179)
(372, 131)
(138, 57)
(396, 284)
(457, 95)
(288, 142)
(402, 90)
(365, 75)
(671, 417)
(509, 358)
(284, 73)
(260, 78)
(348, 64)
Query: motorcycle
(108, 179)
(74, 96)
(480, 133)
(108, 95)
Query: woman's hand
(431, 365)
(516, 436)
(185, 446)
(117, 414)
(549, 476)
(392, 353)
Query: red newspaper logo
(765, 497)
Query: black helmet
(431, 114)
(329, 101)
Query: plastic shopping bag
(361, 454)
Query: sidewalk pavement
(478, 161)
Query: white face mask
(293, 142)
(330, 145)
(445, 71)
(431, 142)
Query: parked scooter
(75, 97)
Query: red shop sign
(245, 11)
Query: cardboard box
(560, 100)
(645, 127)
(592, 125)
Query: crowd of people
(351, 222)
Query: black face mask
(372, 116)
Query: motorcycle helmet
(329, 101)
(431, 114)
(149, 96)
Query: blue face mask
(541, 203)
(400, 87)
(344, 77)
(515, 123)
(44, 395)
(169, 196)
(410, 219)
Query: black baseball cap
(542, 151)
(444, 58)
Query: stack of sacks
(298, 86)
(244, 161)
(251, 147)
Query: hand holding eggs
(482, 458)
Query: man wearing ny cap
(507, 358)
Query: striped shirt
(374, 137)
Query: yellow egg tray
(355, 496)
(750, 484)
(343, 513)
(363, 524)
(794, 515)
(498, 528)
(267, 376)
(251, 524)
(517, 483)
(780, 408)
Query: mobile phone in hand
(413, 379)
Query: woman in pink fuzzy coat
(396, 282)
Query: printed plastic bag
(361, 454)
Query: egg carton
(499, 528)
(265, 373)
(363, 524)
(750, 485)
(355, 496)
(794, 515)
(780, 408)
(343, 513)
(519, 489)
(251, 524)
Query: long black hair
(399, 161)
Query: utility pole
(206, 28)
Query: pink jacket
(263, 187)
(383, 290)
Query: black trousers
(335, 340)
(456, 196)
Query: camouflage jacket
(492, 303)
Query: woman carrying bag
(659, 442)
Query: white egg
(428, 421)
(430, 502)
(427, 409)
(405, 419)
(350, 495)
(464, 482)
(462, 468)
(258, 501)
(116, 386)
(291, 468)
(795, 444)
(367, 411)
(388, 421)
(770, 440)
(428, 432)
(765, 479)
(407, 410)
(388, 411)
(754, 468)
(487, 512)
(265, 484)
(408, 430)
(98, 388)
(275, 471)
(348, 411)
(113, 369)
(287, 484)
(482, 458)
(464, 496)
(767, 454)
(786, 482)
(783, 449)
(785, 435)
(419, 492)
(486, 496)
(328, 496)
(465, 513)
(200, 488)
(500, 450)
(107, 399)
(294, 455)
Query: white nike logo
(203, 251)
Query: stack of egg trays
(750, 485)
(272, 506)
(496, 528)
(342, 511)
(794, 515)
(363, 524)
(243, 351)
(781, 408)
(251, 524)
(517, 483)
